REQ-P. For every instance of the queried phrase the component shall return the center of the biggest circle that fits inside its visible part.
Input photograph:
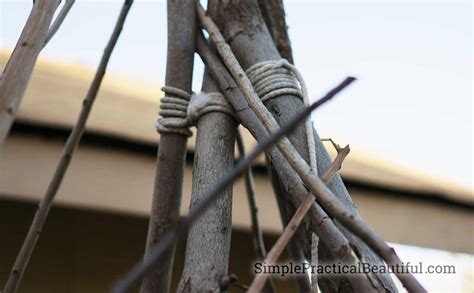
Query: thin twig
(59, 20)
(19, 67)
(259, 244)
(350, 219)
(46, 202)
(181, 227)
(295, 221)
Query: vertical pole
(172, 146)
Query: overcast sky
(412, 104)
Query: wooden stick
(19, 67)
(208, 242)
(320, 222)
(172, 146)
(46, 202)
(290, 229)
(349, 219)
(182, 225)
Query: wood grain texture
(208, 244)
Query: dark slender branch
(46, 202)
(182, 226)
(17, 71)
(259, 244)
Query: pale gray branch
(46, 202)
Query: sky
(412, 104)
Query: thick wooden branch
(172, 146)
(208, 245)
(19, 67)
(46, 202)
(58, 21)
(349, 218)
(295, 222)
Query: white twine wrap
(173, 110)
(275, 78)
(180, 110)
(204, 103)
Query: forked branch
(46, 202)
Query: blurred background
(408, 120)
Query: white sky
(412, 104)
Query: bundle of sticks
(250, 80)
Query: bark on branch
(208, 245)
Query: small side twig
(19, 67)
(295, 221)
(46, 202)
(59, 20)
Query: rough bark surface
(172, 148)
(208, 245)
(243, 27)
